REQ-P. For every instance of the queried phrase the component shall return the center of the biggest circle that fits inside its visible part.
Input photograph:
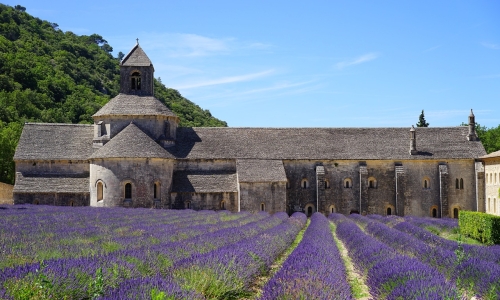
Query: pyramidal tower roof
(131, 142)
(136, 57)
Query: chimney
(413, 143)
(472, 136)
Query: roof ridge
(57, 124)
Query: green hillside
(47, 75)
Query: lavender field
(51, 252)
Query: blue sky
(309, 63)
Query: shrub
(480, 226)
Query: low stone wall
(6, 193)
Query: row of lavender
(473, 269)
(163, 252)
(390, 274)
(314, 270)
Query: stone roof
(133, 105)
(492, 155)
(254, 170)
(131, 142)
(204, 182)
(51, 184)
(42, 141)
(325, 143)
(136, 57)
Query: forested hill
(47, 75)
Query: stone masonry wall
(6, 196)
(492, 190)
(142, 173)
(413, 197)
(205, 201)
(271, 194)
(59, 199)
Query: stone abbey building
(135, 155)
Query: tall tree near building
(421, 120)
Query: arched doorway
(389, 211)
(455, 213)
(309, 209)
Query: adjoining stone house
(492, 181)
(136, 155)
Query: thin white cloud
(358, 60)
(224, 80)
(433, 48)
(491, 46)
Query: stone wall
(6, 196)
(266, 196)
(59, 199)
(492, 189)
(141, 173)
(412, 197)
(204, 201)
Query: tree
(20, 8)
(421, 120)
(121, 55)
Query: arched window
(128, 190)
(332, 209)
(156, 190)
(494, 205)
(262, 207)
(167, 129)
(426, 183)
(304, 183)
(327, 184)
(389, 211)
(372, 183)
(71, 203)
(222, 204)
(489, 204)
(100, 192)
(461, 183)
(188, 205)
(347, 183)
(434, 212)
(457, 186)
(135, 81)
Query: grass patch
(209, 284)
(359, 289)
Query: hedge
(480, 226)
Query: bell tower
(136, 73)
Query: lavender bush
(314, 270)
(227, 272)
(387, 269)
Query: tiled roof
(254, 170)
(325, 143)
(51, 184)
(204, 182)
(42, 141)
(136, 57)
(131, 142)
(124, 104)
(492, 155)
